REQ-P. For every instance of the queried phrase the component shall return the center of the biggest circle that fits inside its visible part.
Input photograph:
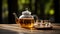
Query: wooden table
(15, 29)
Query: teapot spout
(15, 15)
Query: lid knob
(27, 12)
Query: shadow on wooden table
(4, 31)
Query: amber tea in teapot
(26, 22)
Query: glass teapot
(26, 20)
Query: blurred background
(44, 9)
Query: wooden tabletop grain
(16, 29)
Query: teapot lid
(27, 12)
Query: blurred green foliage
(21, 3)
(51, 12)
(4, 11)
(47, 5)
(4, 8)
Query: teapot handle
(36, 18)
